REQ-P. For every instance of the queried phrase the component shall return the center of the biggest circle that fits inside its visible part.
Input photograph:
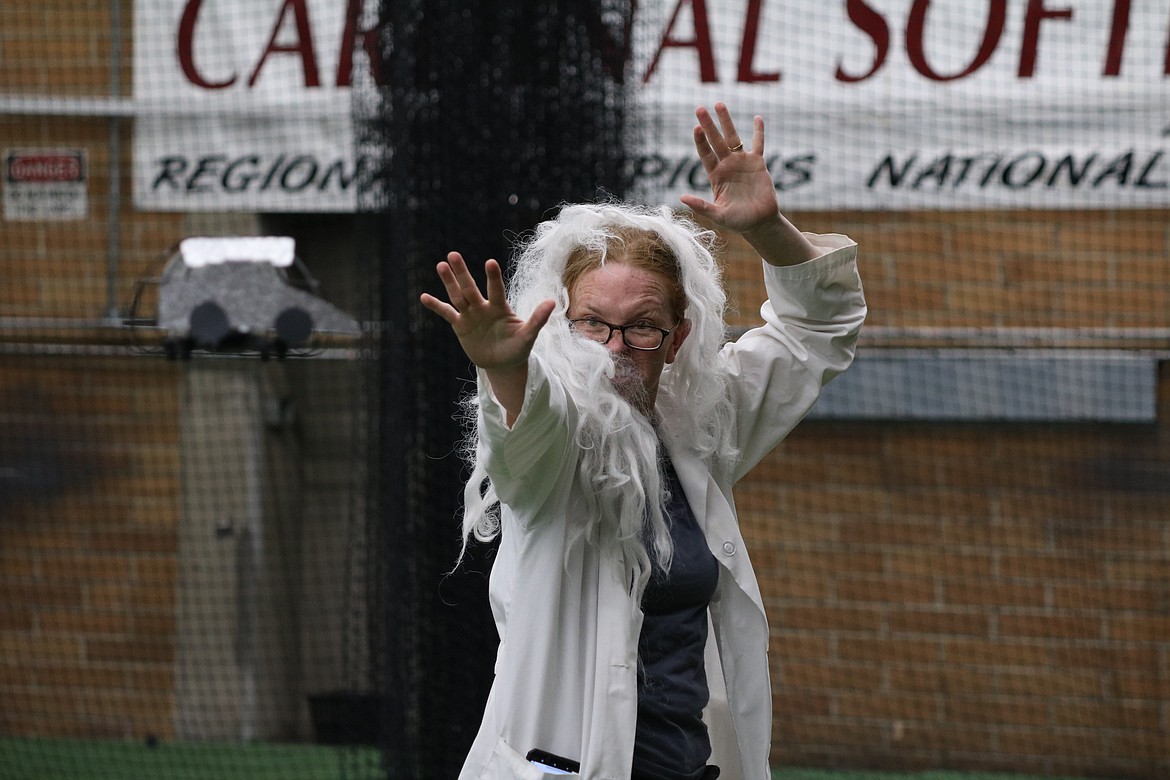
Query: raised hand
(741, 188)
(743, 195)
(492, 335)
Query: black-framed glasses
(646, 338)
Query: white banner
(245, 105)
(869, 104)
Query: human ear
(677, 338)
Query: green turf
(51, 759)
(44, 759)
(826, 774)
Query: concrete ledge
(995, 385)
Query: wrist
(508, 385)
(767, 231)
(779, 242)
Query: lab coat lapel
(716, 517)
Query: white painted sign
(45, 185)
(869, 104)
(244, 105)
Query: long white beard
(619, 467)
(617, 470)
(627, 381)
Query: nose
(615, 343)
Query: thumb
(539, 318)
(698, 205)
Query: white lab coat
(566, 668)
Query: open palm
(491, 334)
(743, 195)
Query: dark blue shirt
(671, 741)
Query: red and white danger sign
(45, 185)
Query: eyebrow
(643, 315)
(646, 310)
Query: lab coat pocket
(507, 764)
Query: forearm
(508, 386)
(812, 318)
(779, 242)
(823, 301)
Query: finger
(466, 284)
(730, 136)
(711, 133)
(758, 135)
(443, 309)
(539, 318)
(496, 292)
(698, 205)
(706, 154)
(450, 284)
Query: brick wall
(1033, 269)
(87, 546)
(61, 269)
(974, 596)
(978, 595)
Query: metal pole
(113, 235)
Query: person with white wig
(610, 424)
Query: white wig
(618, 470)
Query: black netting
(496, 115)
